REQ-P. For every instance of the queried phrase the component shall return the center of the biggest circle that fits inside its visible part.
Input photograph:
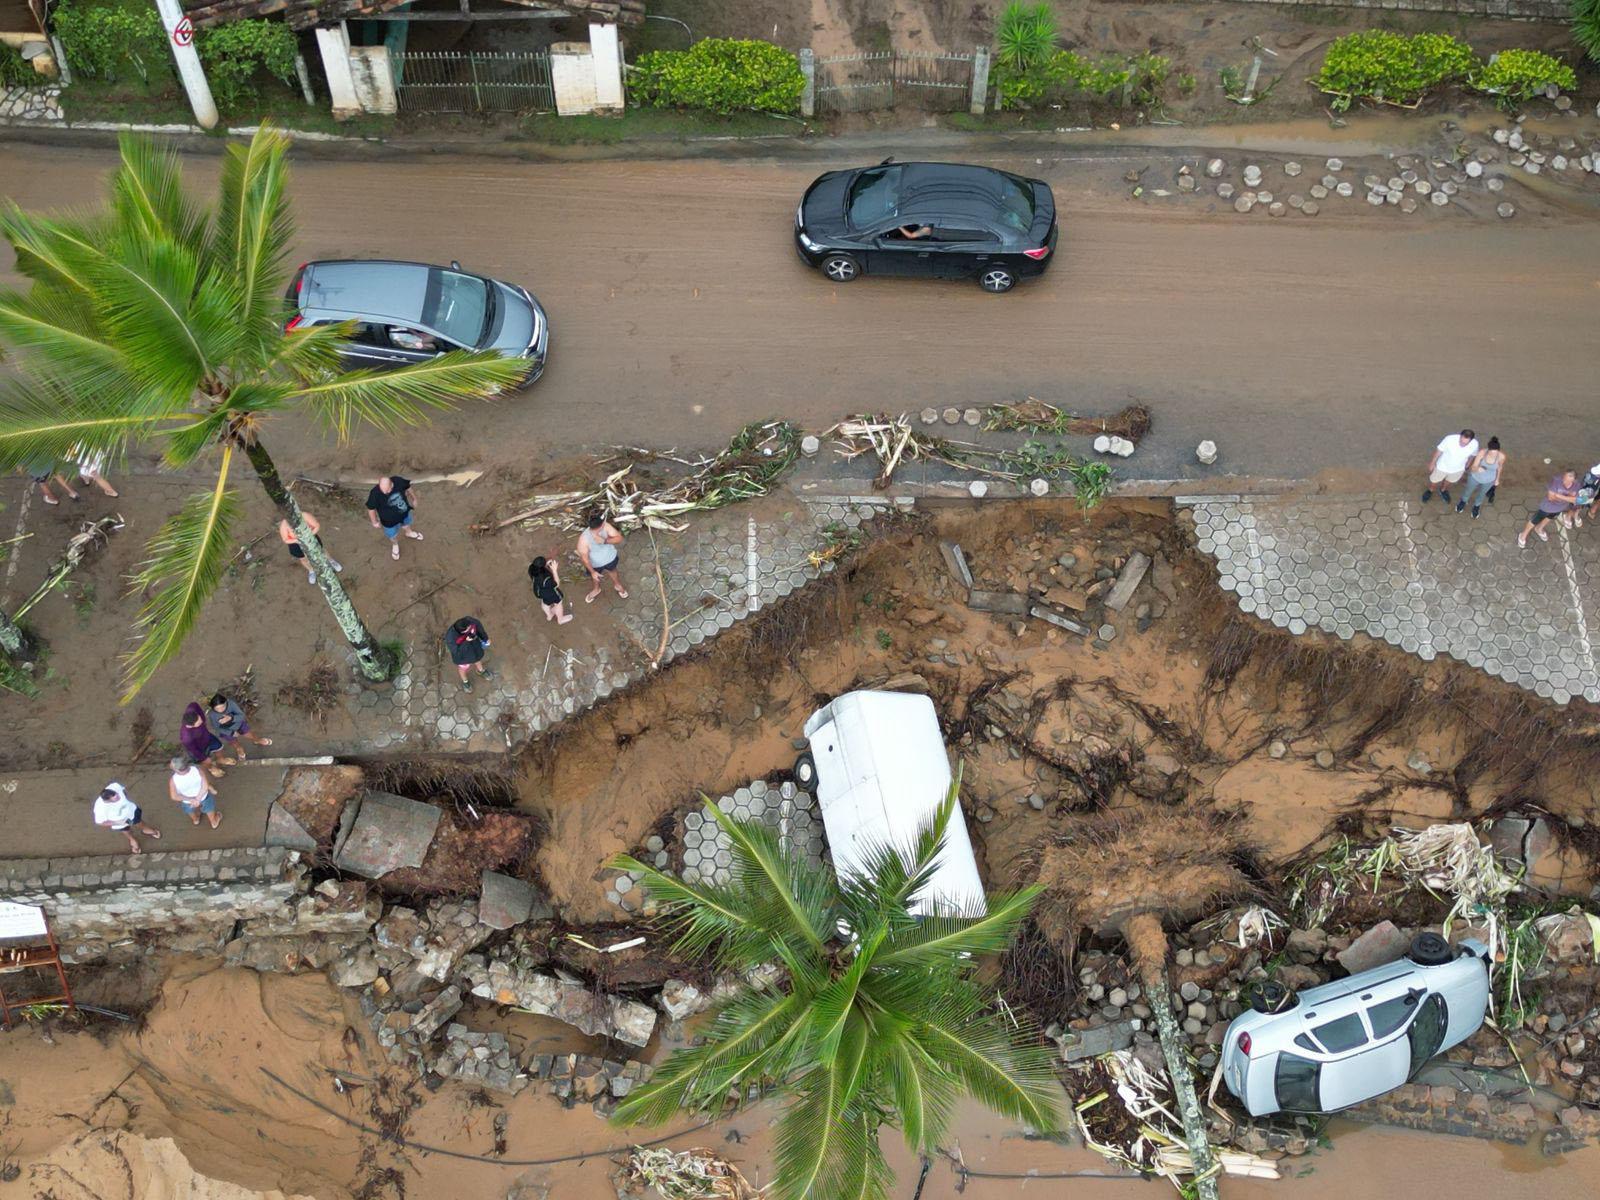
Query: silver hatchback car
(1344, 1042)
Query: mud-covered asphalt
(680, 311)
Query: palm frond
(938, 938)
(186, 563)
(252, 234)
(922, 1088)
(391, 400)
(147, 193)
(56, 252)
(312, 353)
(58, 330)
(42, 417)
(701, 916)
(762, 868)
(806, 1147)
(154, 304)
(1009, 1075)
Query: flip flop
(623, 594)
(155, 833)
(266, 741)
(51, 500)
(413, 535)
(591, 598)
(394, 551)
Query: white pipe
(180, 37)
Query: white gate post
(180, 36)
(808, 94)
(980, 81)
(334, 44)
(606, 49)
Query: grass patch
(163, 103)
(651, 124)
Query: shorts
(1538, 517)
(610, 566)
(296, 550)
(207, 805)
(211, 748)
(136, 819)
(393, 531)
(234, 734)
(1441, 477)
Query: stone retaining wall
(1514, 10)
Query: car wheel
(997, 280)
(1430, 950)
(1270, 996)
(805, 771)
(841, 268)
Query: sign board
(183, 32)
(21, 920)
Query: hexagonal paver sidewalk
(708, 851)
(727, 566)
(1419, 576)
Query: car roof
(951, 190)
(388, 291)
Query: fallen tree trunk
(1149, 945)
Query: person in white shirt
(192, 791)
(115, 811)
(1449, 463)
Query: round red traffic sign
(183, 32)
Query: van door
(1347, 1081)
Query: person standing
(466, 640)
(1449, 463)
(597, 548)
(114, 811)
(1560, 494)
(200, 744)
(227, 721)
(393, 508)
(546, 577)
(43, 472)
(192, 792)
(91, 469)
(298, 552)
(1591, 485)
(1483, 476)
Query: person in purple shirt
(200, 744)
(1559, 496)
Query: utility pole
(180, 34)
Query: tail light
(1244, 1044)
(294, 322)
(1041, 252)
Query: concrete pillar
(980, 81)
(606, 48)
(572, 77)
(180, 36)
(808, 94)
(334, 44)
(373, 77)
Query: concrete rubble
(562, 997)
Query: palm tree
(883, 1025)
(160, 321)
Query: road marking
(1577, 603)
(16, 546)
(1414, 587)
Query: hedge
(720, 75)
(1393, 68)
(1518, 75)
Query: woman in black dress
(546, 577)
(467, 640)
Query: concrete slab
(956, 561)
(505, 901)
(284, 830)
(1128, 581)
(1059, 620)
(1011, 604)
(390, 832)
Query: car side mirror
(454, 265)
(887, 161)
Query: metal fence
(473, 82)
(872, 82)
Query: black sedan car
(942, 220)
(410, 312)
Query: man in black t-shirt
(392, 508)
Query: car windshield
(457, 306)
(1016, 204)
(874, 195)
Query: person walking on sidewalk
(597, 548)
(91, 469)
(1483, 476)
(192, 792)
(467, 640)
(43, 472)
(200, 744)
(1561, 493)
(1449, 463)
(227, 721)
(297, 551)
(393, 508)
(546, 577)
(116, 812)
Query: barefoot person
(597, 547)
(114, 811)
(227, 721)
(467, 640)
(546, 577)
(1560, 494)
(192, 792)
(297, 551)
(202, 746)
(392, 508)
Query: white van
(877, 763)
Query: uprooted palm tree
(883, 1024)
(161, 321)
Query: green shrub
(1067, 75)
(1025, 36)
(721, 75)
(1518, 75)
(1586, 26)
(105, 41)
(1393, 68)
(236, 53)
(16, 71)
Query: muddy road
(680, 309)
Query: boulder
(680, 999)
(505, 901)
(355, 969)
(1080, 1044)
(1381, 944)
(1567, 936)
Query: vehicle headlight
(808, 243)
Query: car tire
(1269, 996)
(805, 772)
(841, 268)
(1430, 950)
(997, 279)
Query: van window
(1427, 1031)
(1345, 1033)
(1303, 1040)
(1391, 1014)
(1296, 1081)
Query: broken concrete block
(435, 1013)
(680, 999)
(1128, 581)
(956, 561)
(1011, 604)
(284, 830)
(1381, 944)
(1059, 620)
(505, 901)
(390, 832)
(1080, 1044)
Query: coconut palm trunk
(376, 663)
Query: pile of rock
(584, 1078)
(562, 996)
